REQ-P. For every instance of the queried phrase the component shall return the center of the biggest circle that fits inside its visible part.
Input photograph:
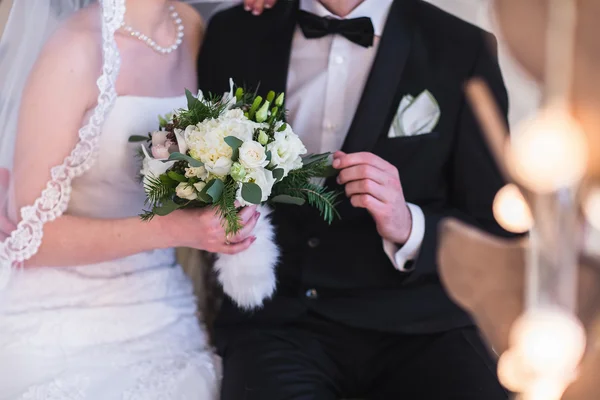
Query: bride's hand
(257, 6)
(203, 229)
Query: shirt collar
(377, 10)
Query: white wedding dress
(122, 329)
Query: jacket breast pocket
(405, 151)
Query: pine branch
(212, 107)
(227, 210)
(147, 215)
(325, 201)
(158, 191)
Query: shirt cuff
(401, 256)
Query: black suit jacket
(341, 271)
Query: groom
(359, 309)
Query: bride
(101, 310)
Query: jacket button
(312, 294)
(313, 243)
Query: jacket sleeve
(473, 176)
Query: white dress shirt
(325, 83)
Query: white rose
(265, 181)
(152, 168)
(186, 191)
(286, 150)
(221, 167)
(253, 155)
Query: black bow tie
(357, 30)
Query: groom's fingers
(359, 172)
(366, 201)
(366, 186)
(342, 161)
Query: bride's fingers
(235, 248)
(270, 3)
(246, 230)
(246, 213)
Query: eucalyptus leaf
(204, 197)
(286, 199)
(166, 208)
(138, 138)
(214, 189)
(251, 193)
(182, 157)
(269, 155)
(278, 174)
(235, 145)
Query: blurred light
(591, 207)
(511, 211)
(546, 347)
(511, 373)
(545, 389)
(549, 151)
(550, 342)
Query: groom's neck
(341, 8)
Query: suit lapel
(379, 100)
(271, 52)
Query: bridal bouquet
(229, 151)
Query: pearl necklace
(150, 42)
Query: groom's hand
(373, 183)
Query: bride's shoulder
(193, 23)
(71, 58)
(77, 42)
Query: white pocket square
(416, 115)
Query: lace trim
(25, 241)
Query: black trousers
(319, 359)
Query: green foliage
(235, 145)
(287, 199)
(298, 186)
(198, 110)
(251, 193)
(138, 138)
(183, 157)
(214, 189)
(226, 208)
(159, 190)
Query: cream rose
(253, 155)
(199, 172)
(186, 191)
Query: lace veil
(30, 24)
